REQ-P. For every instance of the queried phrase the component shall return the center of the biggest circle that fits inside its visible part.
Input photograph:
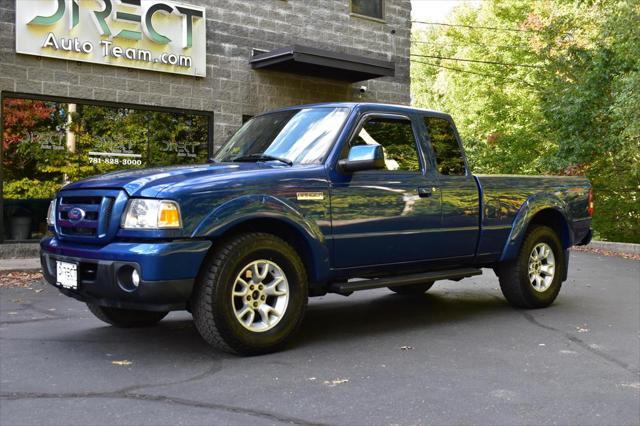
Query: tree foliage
(562, 95)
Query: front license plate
(67, 274)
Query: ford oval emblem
(76, 214)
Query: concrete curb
(629, 248)
(19, 250)
(20, 265)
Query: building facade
(66, 117)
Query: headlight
(151, 214)
(51, 213)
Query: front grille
(87, 217)
(108, 211)
(80, 230)
(87, 200)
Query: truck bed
(506, 200)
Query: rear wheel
(534, 278)
(412, 289)
(126, 318)
(251, 295)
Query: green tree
(545, 87)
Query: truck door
(459, 190)
(387, 215)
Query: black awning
(322, 63)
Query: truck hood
(149, 182)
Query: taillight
(590, 203)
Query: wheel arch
(270, 215)
(308, 250)
(547, 211)
(555, 220)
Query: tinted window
(371, 8)
(302, 136)
(397, 140)
(449, 157)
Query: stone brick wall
(231, 88)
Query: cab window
(449, 158)
(397, 139)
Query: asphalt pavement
(457, 355)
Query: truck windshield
(301, 136)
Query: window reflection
(46, 144)
(302, 136)
(449, 157)
(397, 140)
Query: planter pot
(20, 227)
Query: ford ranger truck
(300, 202)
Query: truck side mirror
(363, 157)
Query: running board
(452, 274)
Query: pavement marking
(335, 382)
(630, 385)
(504, 394)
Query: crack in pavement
(215, 367)
(130, 392)
(582, 344)
(162, 399)
(601, 354)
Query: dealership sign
(147, 34)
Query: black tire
(213, 310)
(126, 318)
(412, 289)
(514, 275)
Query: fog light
(135, 277)
(128, 278)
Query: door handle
(424, 192)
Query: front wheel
(126, 318)
(251, 295)
(534, 278)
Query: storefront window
(47, 143)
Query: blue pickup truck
(304, 201)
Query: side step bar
(452, 274)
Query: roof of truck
(376, 105)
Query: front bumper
(167, 270)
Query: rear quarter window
(449, 158)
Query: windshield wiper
(262, 157)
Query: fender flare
(255, 207)
(532, 206)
